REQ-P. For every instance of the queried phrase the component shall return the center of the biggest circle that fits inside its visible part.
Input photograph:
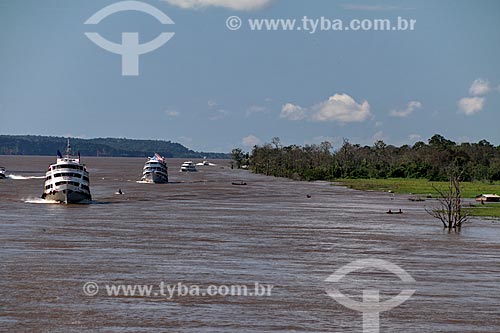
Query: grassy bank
(486, 210)
(424, 188)
(417, 186)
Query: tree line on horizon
(104, 147)
(433, 160)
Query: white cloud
(244, 5)
(378, 124)
(251, 140)
(321, 138)
(211, 104)
(380, 135)
(339, 107)
(171, 113)
(219, 114)
(410, 107)
(255, 109)
(371, 7)
(471, 105)
(293, 112)
(342, 108)
(414, 137)
(479, 87)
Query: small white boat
(2, 173)
(188, 166)
(205, 163)
(67, 180)
(155, 170)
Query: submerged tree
(450, 210)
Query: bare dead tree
(450, 209)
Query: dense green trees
(479, 161)
(48, 145)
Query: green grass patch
(421, 187)
(486, 210)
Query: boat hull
(154, 177)
(68, 196)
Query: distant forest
(433, 160)
(48, 145)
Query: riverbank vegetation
(422, 169)
(432, 161)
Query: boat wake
(45, 201)
(19, 177)
(40, 201)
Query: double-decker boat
(188, 166)
(155, 170)
(67, 180)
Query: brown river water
(200, 230)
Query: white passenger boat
(188, 166)
(67, 180)
(155, 170)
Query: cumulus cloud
(243, 5)
(479, 87)
(371, 7)
(293, 112)
(255, 109)
(415, 137)
(471, 105)
(218, 114)
(475, 102)
(211, 104)
(339, 107)
(342, 108)
(171, 113)
(251, 140)
(379, 136)
(410, 107)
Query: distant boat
(205, 163)
(2, 173)
(188, 166)
(239, 183)
(155, 170)
(67, 180)
(488, 198)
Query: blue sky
(213, 89)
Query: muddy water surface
(202, 230)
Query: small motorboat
(239, 183)
(2, 173)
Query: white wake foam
(40, 201)
(19, 177)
